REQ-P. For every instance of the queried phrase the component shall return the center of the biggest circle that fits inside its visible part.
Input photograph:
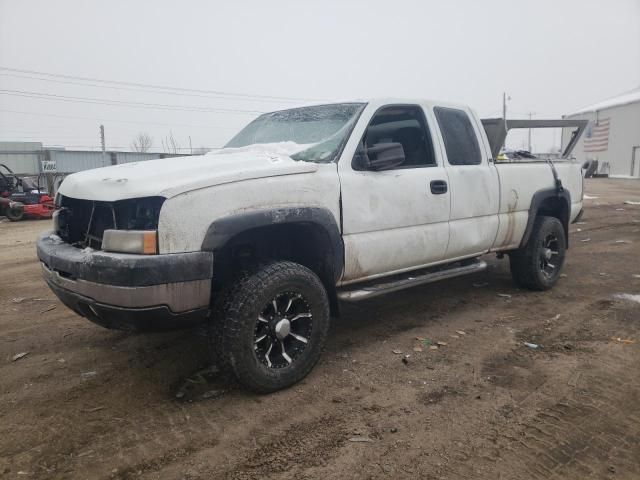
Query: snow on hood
(168, 177)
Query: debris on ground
(585, 240)
(563, 275)
(573, 380)
(461, 332)
(360, 439)
(631, 202)
(393, 430)
(93, 410)
(18, 299)
(397, 352)
(405, 359)
(534, 346)
(622, 241)
(18, 356)
(619, 209)
(627, 296)
(478, 285)
(417, 349)
(589, 197)
(48, 309)
(504, 295)
(204, 384)
(88, 375)
(635, 275)
(626, 341)
(441, 344)
(433, 347)
(212, 394)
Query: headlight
(130, 241)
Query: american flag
(597, 136)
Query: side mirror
(586, 164)
(381, 156)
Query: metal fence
(30, 162)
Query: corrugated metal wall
(25, 158)
(71, 161)
(25, 163)
(128, 157)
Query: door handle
(438, 187)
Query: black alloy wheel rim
(283, 330)
(549, 261)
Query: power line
(74, 117)
(142, 89)
(121, 103)
(157, 87)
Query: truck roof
(381, 101)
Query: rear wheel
(538, 264)
(272, 325)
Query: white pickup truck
(302, 209)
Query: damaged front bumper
(126, 291)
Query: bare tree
(142, 142)
(170, 144)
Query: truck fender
(540, 202)
(224, 229)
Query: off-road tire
(526, 262)
(232, 328)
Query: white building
(612, 136)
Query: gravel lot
(86, 402)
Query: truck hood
(169, 177)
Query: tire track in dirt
(302, 445)
(594, 431)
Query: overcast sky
(551, 57)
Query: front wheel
(537, 265)
(272, 325)
(15, 212)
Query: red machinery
(21, 198)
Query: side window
(460, 140)
(403, 124)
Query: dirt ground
(86, 402)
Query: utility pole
(531, 114)
(529, 143)
(504, 116)
(102, 142)
(190, 147)
(504, 105)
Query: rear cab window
(460, 139)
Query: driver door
(396, 219)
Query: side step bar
(408, 280)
